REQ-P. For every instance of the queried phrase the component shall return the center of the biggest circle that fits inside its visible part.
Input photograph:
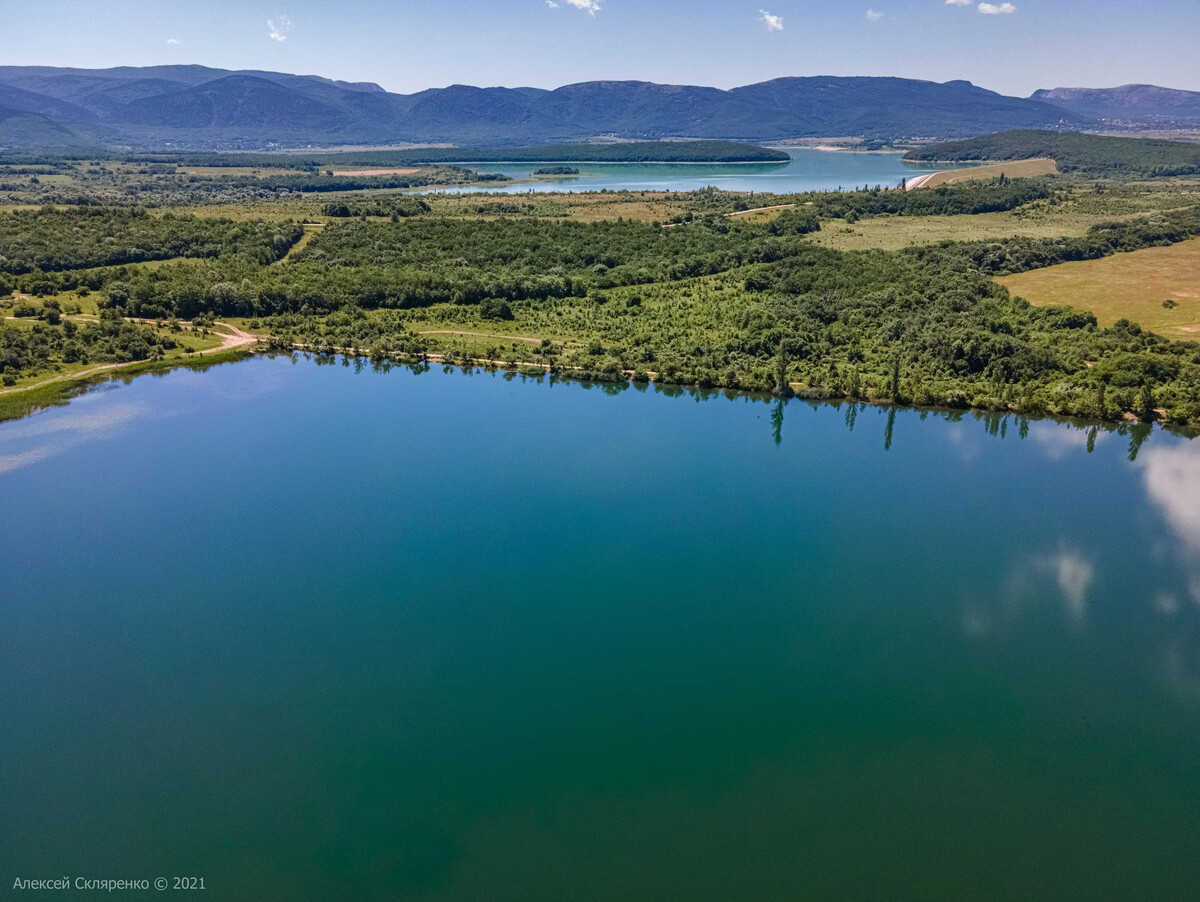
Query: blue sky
(408, 45)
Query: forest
(622, 152)
(1094, 156)
(711, 300)
(50, 240)
(167, 185)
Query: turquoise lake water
(809, 170)
(322, 632)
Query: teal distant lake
(326, 632)
(809, 170)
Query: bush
(495, 309)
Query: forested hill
(216, 109)
(1093, 155)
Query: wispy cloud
(591, 7)
(551, 4)
(959, 2)
(874, 15)
(172, 41)
(279, 28)
(992, 9)
(773, 23)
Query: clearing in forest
(1017, 169)
(1158, 288)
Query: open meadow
(1158, 288)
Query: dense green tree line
(971, 198)
(1091, 155)
(158, 187)
(390, 205)
(968, 198)
(870, 325)
(629, 152)
(51, 240)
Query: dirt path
(761, 209)
(918, 182)
(230, 339)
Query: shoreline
(26, 402)
(22, 402)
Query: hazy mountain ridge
(205, 108)
(1138, 103)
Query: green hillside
(1091, 155)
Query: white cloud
(959, 2)
(991, 9)
(1172, 477)
(1074, 575)
(874, 15)
(279, 28)
(591, 7)
(773, 23)
(551, 4)
(172, 41)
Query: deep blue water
(311, 632)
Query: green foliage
(57, 341)
(628, 152)
(494, 308)
(159, 186)
(50, 240)
(717, 302)
(1092, 155)
(399, 206)
(1015, 255)
(945, 200)
(995, 196)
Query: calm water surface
(809, 170)
(315, 633)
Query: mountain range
(196, 107)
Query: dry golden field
(1016, 169)
(1125, 286)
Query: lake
(809, 170)
(316, 632)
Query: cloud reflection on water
(1074, 575)
(1172, 479)
(58, 431)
